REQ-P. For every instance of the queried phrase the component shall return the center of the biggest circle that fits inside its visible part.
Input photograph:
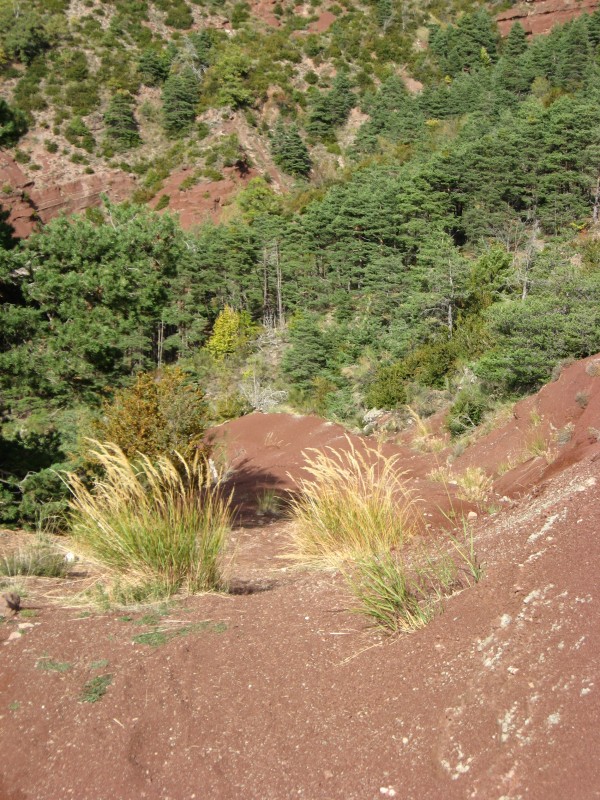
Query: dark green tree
(289, 150)
(121, 125)
(180, 98)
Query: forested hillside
(438, 246)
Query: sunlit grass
(158, 525)
(353, 504)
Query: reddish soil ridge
(28, 201)
(540, 16)
(284, 693)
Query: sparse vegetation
(157, 527)
(269, 502)
(473, 485)
(95, 689)
(41, 557)
(355, 504)
(48, 664)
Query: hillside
(278, 690)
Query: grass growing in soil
(40, 558)
(401, 596)
(157, 527)
(96, 688)
(354, 505)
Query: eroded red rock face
(29, 201)
(540, 16)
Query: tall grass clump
(400, 594)
(41, 558)
(157, 525)
(353, 505)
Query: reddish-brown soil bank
(280, 691)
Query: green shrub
(161, 414)
(467, 411)
(388, 390)
(163, 202)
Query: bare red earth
(284, 693)
(540, 16)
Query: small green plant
(102, 663)
(582, 399)
(160, 636)
(50, 665)
(465, 549)
(593, 369)
(387, 594)
(96, 688)
(14, 705)
(163, 202)
(473, 485)
(269, 503)
(355, 504)
(160, 526)
(564, 435)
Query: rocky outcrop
(29, 202)
(540, 16)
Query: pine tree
(512, 73)
(289, 151)
(574, 55)
(121, 124)
(153, 68)
(180, 97)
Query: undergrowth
(354, 513)
(41, 558)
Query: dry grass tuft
(355, 504)
(593, 368)
(156, 526)
(424, 439)
(473, 485)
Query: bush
(161, 414)
(157, 527)
(354, 505)
(388, 389)
(467, 410)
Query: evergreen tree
(153, 67)
(180, 97)
(121, 125)
(13, 124)
(512, 73)
(290, 151)
(574, 55)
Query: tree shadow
(258, 495)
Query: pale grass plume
(424, 439)
(473, 485)
(160, 526)
(355, 503)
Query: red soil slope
(540, 16)
(284, 693)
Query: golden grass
(473, 485)
(355, 504)
(156, 526)
(424, 439)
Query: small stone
(472, 515)
(328, 774)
